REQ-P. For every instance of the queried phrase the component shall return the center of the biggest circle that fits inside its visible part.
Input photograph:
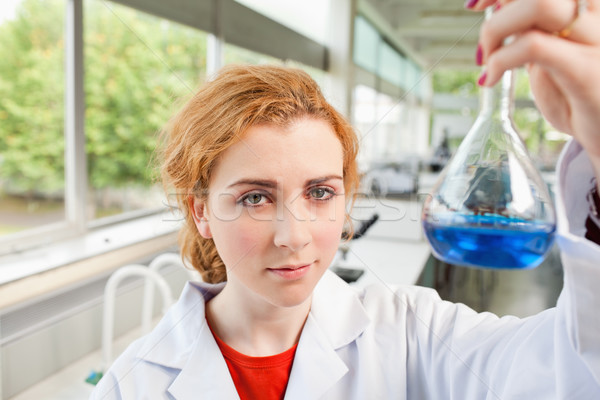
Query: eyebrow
(271, 184)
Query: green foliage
(455, 81)
(32, 91)
(522, 89)
(136, 66)
(464, 82)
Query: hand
(564, 71)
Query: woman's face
(275, 210)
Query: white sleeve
(578, 319)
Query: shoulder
(153, 361)
(381, 297)
(120, 379)
(413, 308)
(375, 298)
(335, 301)
(406, 307)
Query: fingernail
(479, 55)
(482, 78)
(470, 3)
(498, 6)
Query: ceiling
(440, 32)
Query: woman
(263, 168)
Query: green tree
(455, 81)
(136, 67)
(32, 91)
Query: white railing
(109, 302)
(162, 261)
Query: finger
(480, 5)
(584, 27)
(516, 17)
(557, 110)
(553, 53)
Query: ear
(200, 214)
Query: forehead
(305, 148)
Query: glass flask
(490, 207)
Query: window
(137, 66)
(374, 54)
(32, 147)
(366, 44)
(390, 64)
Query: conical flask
(490, 207)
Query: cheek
(237, 240)
(329, 235)
(329, 232)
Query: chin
(293, 296)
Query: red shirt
(263, 378)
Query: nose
(292, 228)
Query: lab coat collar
(206, 374)
(172, 341)
(338, 311)
(574, 174)
(183, 341)
(337, 318)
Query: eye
(321, 193)
(254, 199)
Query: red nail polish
(470, 3)
(482, 79)
(479, 55)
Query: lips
(291, 271)
(292, 267)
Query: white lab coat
(402, 342)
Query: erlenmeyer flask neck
(498, 101)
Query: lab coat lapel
(182, 341)
(316, 366)
(206, 374)
(336, 319)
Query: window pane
(390, 64)
(136, 67)
(366, 43)
(389, 112)
(413, 79)
(31, 114)
(364, 118)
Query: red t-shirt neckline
(257, 377)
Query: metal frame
(239, 26)
(74, 135)
(76, 180)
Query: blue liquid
(490, 241)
